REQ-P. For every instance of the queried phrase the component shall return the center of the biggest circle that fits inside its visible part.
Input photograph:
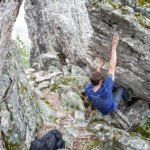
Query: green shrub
(24, 52)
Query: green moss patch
(144, 128)
(77, 82)
(141, 2)
(142, 20)
(95, 144)
(94, 3)
(114, 5)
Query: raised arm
(113, 58)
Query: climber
(99, 91)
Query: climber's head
(96, 78)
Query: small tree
(24, 52)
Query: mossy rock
(77, 82)
(93, 145)
(144, 128)
(114, 4)
(142, 20)
(74, 101)
(13, 142)
(124, 10)
(142, 2)
(147, 5)
(94, 3)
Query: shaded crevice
(62, 58)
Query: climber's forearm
(113, 57)
(113, 60)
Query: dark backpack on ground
(51, 141)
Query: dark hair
(95, 78)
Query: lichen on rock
(20, 113)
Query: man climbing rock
(99, 91)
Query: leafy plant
(24, 52)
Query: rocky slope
(77, 33)
(83, 129)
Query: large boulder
(65, 28)
(58, 26)
(133, 51)
(112, 138)
(135, 118)
(20, 114)
(8, 14)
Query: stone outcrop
(20, 114)
(58, 26)
(133, 50)
(64, 109)
(67, 37)
(8, 13)
(117, 139)
(77, 33)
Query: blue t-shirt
(102, 99)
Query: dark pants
(121, 93)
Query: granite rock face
(20, 115)
(19, 112)
(65, 27)
(65, 32)
(8, 13)
(133, 51)
(75, 32)
(58, 26)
